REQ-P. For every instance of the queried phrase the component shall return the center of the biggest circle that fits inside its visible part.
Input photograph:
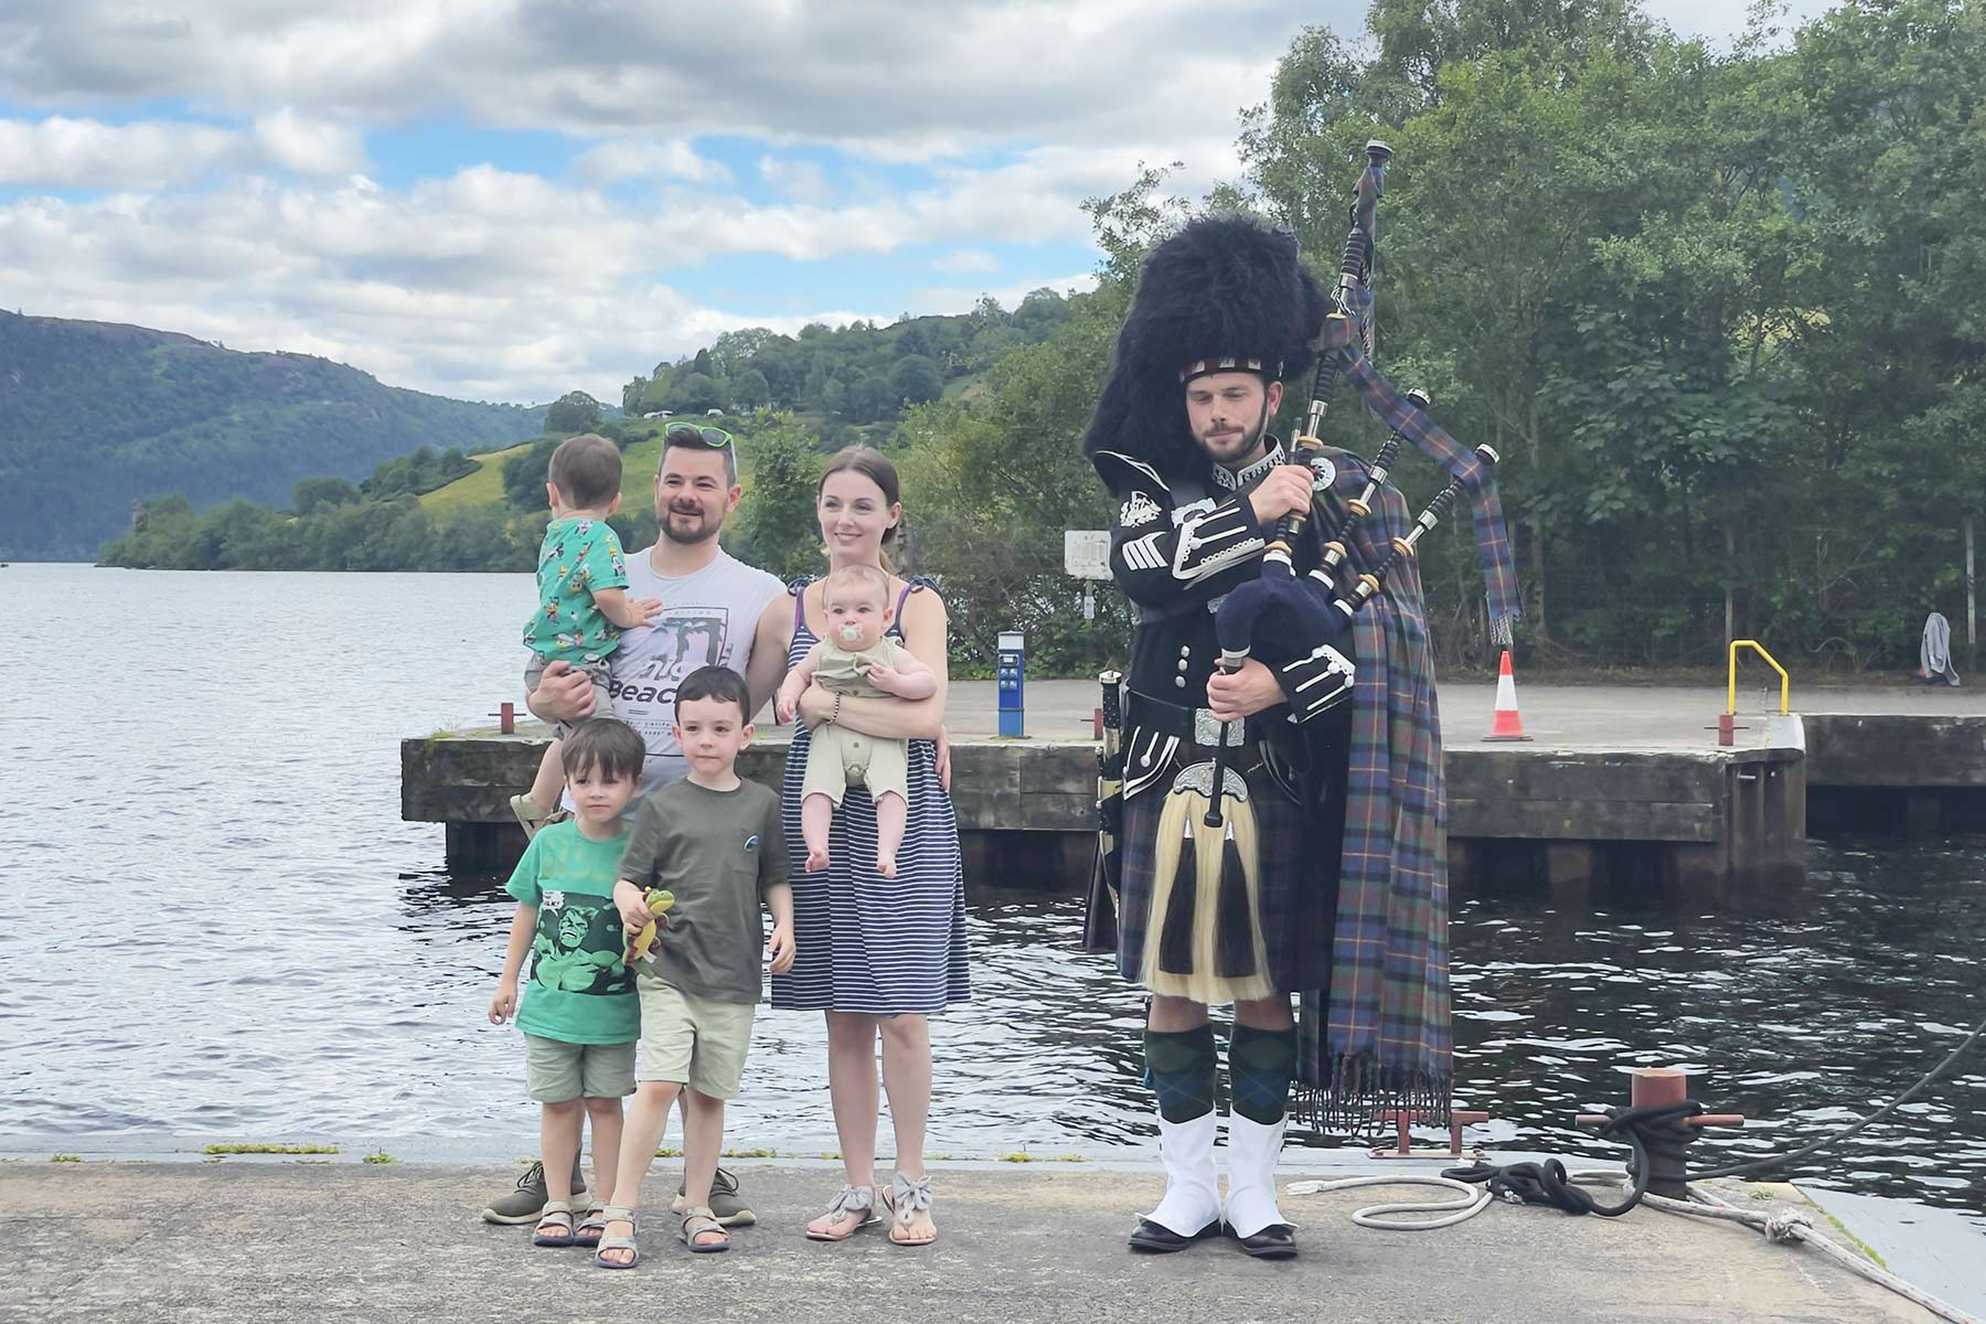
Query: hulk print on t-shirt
(579, 945)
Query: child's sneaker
(726, 1205)
(524, 1204)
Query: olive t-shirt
(717, 851)
(578, 990)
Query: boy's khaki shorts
(603, 705)
(690, 1040)
(555, 1072)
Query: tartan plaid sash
(1382, 1038)
(1478, 480)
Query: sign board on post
(1086, 553)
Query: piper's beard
(700, 529)
(1237, 451)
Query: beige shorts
(555, 1071)
(838, 758)
(603, 706)
(692, 1041)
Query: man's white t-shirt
(707, 619)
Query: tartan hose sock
(1259, 1066)
(1179, 1068)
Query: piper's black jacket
(1175, 554)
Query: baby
(856, 660)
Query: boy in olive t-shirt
(714, 841)
(581, 1017)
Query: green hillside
(94, 416)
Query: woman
(876, 954)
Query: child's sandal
(591, 1228)
(556, 1215)
(615, 1213)
(701, 1222)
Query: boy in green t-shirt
(583, 603)
(713, 840)
(582, 1018)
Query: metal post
(1971, 604)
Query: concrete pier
(1620, 788)
(291, 1241)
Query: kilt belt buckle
(1209, 732)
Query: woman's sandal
(591, 1228)
(615, 1213)
(905, 1200)
(557, 1215)
(852, 1210)
(700, 1222)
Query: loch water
(216, 927)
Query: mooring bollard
(1664, 1140)
(506, 715)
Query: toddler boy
(582, 594)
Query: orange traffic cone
(1506, 724)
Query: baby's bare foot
(817, 859)
(886, 865)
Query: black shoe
(1274, 1242)
(1158, 1239)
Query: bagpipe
(1295, 616)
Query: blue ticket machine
(1012, 673)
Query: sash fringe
(1359, 1090)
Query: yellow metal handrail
(1785, 684)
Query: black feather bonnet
(1225, 288)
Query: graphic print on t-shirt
(655, 658)
(579, 945)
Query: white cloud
(310, 147)
(671, 158)
(802, 181)
(902, 81)
(78, 153)
(59, 152)
(966, 261)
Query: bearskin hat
(1223, 288)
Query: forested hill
(95, 415)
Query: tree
(632, 395)
(575, 411)
(310, 494)
(916, 380)
(750, 390)
(777, 528)
(525, 475)
(694, 393)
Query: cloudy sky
(506, 199)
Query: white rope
(1384, 1217)
(1783, 1227)
(1473, 1199)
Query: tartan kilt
(1296, 898)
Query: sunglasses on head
(689, 434)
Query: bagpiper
(1260, 861)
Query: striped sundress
(865, 943)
